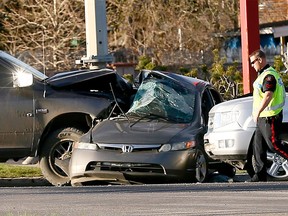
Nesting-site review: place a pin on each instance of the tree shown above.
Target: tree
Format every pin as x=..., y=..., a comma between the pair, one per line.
x=169, y=31
x=228, y=80
x=46, y=34
x=51, y=33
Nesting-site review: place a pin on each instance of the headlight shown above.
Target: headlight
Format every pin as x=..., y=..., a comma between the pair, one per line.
x=221, y=119
x=87, y=146
x=177, y=146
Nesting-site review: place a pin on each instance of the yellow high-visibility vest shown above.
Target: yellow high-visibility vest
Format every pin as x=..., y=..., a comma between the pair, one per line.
x=276, y=104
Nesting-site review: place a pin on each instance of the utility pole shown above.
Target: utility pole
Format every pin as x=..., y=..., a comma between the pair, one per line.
x=96, y=35
x=250, y=40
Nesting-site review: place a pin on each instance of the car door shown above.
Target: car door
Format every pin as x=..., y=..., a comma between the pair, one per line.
x=210, y=97
x=16, y=116
x=215, y=96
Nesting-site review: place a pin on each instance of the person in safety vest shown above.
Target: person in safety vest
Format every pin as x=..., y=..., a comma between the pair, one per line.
x=268, y=102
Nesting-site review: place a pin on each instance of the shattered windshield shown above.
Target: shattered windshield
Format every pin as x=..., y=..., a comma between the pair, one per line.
x=165, y=99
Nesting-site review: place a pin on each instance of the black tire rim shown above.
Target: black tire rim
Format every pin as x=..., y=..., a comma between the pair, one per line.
x=201, y=167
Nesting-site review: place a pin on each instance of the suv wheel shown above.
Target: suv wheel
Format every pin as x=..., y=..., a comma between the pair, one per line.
x=55, y=155
x=277, y=166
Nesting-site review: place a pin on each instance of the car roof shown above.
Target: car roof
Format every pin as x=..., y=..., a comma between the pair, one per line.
x=199, y=84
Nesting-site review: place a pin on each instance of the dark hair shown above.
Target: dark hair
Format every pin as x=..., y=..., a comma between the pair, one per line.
x=258, y=53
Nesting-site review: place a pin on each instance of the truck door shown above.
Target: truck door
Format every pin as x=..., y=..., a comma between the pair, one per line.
x=16, y=114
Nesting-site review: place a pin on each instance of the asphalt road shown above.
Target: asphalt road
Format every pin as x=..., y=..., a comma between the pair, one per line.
x=41, y=181
x=269, y=198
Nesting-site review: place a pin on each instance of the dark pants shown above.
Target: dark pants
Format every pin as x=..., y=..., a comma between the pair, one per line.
x=267, y=136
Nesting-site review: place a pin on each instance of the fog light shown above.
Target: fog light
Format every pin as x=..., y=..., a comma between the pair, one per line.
x=229, y=143
x=221, y=143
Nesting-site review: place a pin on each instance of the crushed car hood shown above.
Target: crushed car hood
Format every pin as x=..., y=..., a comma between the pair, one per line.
x=149, y=132
x=86, y=79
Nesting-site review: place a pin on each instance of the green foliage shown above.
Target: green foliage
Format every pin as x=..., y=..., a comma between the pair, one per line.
x=183, y=70
x=17, y=171
x=278, y=63
x=205, y=71
x=150, y=66
x=192, y=73
x=161, y=68
x=128, y=77
x=227, y=79
x=145, y=62
x=279, y=66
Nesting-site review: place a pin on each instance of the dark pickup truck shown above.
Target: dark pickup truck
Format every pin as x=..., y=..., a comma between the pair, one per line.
x=43, y=116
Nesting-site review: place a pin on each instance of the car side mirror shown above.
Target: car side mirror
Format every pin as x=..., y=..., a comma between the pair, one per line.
x=22, y=79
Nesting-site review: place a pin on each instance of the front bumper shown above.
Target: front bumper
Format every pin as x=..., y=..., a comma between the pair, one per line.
x=228, y=145
x=111, y=166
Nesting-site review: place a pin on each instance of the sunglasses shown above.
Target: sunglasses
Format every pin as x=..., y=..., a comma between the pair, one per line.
x=253, y=62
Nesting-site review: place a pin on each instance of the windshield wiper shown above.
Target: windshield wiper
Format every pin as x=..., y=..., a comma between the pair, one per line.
x=151, y=115
x=116, y=105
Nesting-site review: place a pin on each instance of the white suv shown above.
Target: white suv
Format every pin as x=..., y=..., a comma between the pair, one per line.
x=230, y=135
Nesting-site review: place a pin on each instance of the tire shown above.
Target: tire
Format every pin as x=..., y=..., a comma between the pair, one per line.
x=55, y=155
x=201, y=165
x=226, y=169
x=277, y=167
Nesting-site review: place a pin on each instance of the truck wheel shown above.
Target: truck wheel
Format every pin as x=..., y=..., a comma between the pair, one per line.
x=55, y=155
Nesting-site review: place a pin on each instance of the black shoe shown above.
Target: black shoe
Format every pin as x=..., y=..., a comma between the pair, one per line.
x=257, y=178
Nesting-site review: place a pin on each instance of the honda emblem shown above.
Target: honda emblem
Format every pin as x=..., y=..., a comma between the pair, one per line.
x=127, y=148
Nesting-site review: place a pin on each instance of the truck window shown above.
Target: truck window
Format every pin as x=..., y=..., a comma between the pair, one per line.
x=6, y=77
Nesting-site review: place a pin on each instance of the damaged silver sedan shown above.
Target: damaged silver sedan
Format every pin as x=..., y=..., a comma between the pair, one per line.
x=159, y=138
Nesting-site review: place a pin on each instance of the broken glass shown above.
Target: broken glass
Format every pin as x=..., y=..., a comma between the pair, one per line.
x=164, y=98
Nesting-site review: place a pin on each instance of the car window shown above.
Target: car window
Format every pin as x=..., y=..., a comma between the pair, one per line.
x=217, y=98
x=210, y=98
x=162, y=97
x=206, y=105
